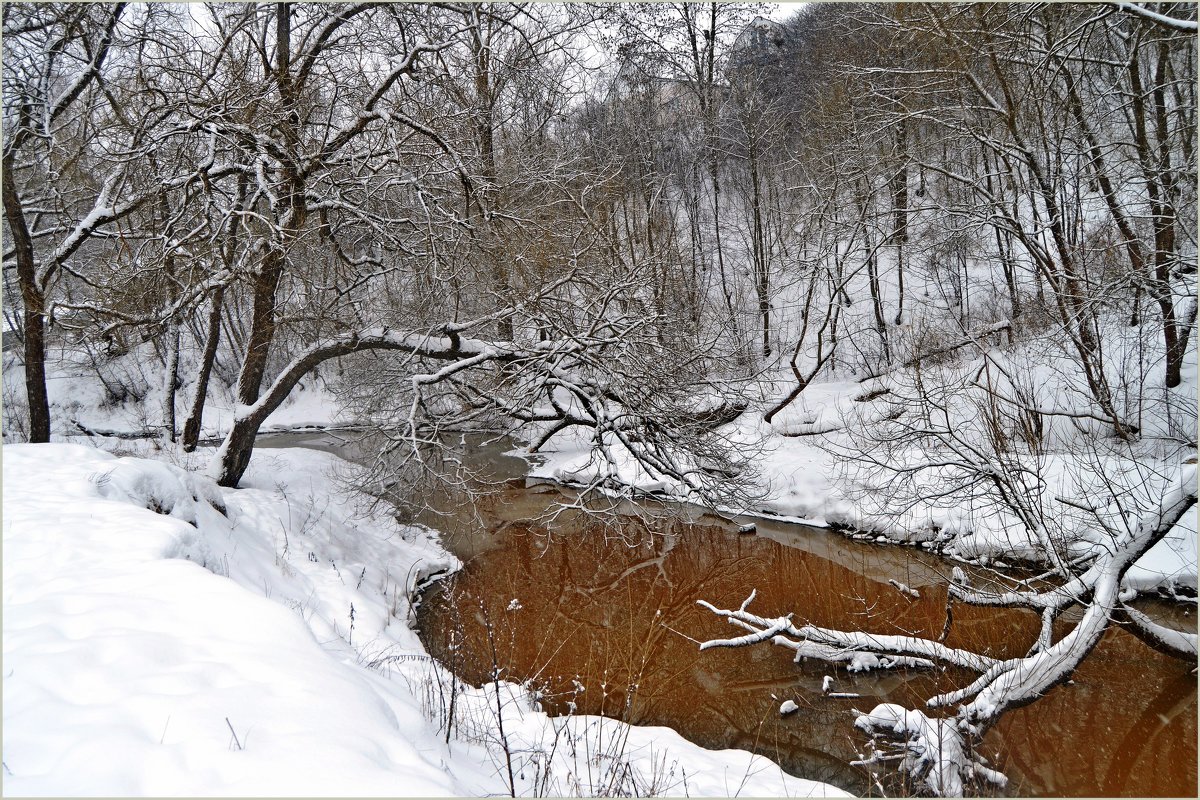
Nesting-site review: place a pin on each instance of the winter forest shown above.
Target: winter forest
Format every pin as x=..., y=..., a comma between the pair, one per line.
x=538, y=399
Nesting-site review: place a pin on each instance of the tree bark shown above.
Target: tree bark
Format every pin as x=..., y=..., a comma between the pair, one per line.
x=262, y=323
x=872, y=260
x=761, y=261
x=900, y=213
x=290, y=216
x=170, y=382
x=191, y=427
x=485, y=131
x=232, y=458
x=33, y=316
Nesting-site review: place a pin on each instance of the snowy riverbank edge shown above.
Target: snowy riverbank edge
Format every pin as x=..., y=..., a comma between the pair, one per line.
x=801, y=482
x=163, y=636
x=798, y=480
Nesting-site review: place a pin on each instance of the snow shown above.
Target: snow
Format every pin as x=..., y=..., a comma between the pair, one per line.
x=798, y=481
x=801, y=481
x=126, y=649
x=933, y=744
x=163, y=636
x=94, y=217
x=1170, y=563
x=799, y=484
x=1164, y=19
x=77, y=395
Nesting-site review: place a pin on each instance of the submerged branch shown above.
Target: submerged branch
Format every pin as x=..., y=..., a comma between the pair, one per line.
x=1180, y=644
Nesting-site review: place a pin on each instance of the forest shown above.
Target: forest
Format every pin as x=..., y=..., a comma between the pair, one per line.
x=918, y=272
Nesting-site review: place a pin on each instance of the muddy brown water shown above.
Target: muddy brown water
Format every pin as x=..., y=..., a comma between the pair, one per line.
x=599, y=614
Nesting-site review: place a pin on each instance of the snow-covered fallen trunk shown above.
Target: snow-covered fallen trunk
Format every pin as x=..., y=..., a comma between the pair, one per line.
x=859, y=649
x=233, y=456
x=938, y=751
x=1181, y=643
x=932, y=751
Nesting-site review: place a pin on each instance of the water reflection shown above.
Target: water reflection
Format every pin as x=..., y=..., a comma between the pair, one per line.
x=602, y=616
x=570, y=607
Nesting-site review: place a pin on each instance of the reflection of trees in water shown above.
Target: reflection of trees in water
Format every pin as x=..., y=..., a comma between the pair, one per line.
x=1148, y=741
x=618, y=615
x=1127, y=725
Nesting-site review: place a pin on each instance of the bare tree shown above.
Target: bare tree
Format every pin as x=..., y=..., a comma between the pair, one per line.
x=52, y=61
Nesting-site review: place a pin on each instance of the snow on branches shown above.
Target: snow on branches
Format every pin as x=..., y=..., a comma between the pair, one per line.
x=938, y=752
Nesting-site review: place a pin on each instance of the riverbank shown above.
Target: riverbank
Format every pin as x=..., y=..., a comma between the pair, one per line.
x=163, y=636
x=804, y=462
x=298, y=538
x=810, y=470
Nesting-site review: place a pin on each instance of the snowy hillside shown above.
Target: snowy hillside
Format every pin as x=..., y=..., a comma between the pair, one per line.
x=165, y=637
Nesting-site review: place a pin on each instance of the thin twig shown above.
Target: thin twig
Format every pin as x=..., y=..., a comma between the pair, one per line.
x=235, y=736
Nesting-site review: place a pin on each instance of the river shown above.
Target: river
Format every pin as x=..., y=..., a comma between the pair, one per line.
x=598, y=612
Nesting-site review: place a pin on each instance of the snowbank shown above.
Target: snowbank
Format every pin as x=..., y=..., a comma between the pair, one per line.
x=123, y=396
x=166, y=637
x=133, y=661
x=799, y=481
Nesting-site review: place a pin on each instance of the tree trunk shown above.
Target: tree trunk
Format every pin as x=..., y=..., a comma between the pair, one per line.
x=170, y=382
x=485, y=133
x=33, y=315
x=900, y=214
x=233, y=456
x=761, y=265
x=191, y=427
x=1003, y=248
x=876, y=299
x=706, y=65
x=715, y=181
x=290, y=216
x=171, y=362
x=262, y=325
x=1165, y=218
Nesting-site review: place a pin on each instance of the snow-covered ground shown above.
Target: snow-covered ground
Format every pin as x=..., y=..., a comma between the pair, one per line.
x=166, y=637
x=123, y=395
x=163, y=636
x=801, y=481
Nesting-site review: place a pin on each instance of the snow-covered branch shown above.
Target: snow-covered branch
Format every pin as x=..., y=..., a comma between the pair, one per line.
x=1186, y=25
x=1178, y=643
x=861, y=650
x=936, y=751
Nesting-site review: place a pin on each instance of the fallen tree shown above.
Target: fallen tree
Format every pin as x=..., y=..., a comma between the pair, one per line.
x=233, y=456
x=938, y=752
x=633, y=406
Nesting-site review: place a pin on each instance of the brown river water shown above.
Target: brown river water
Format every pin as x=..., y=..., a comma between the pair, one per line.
x=599, y=614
